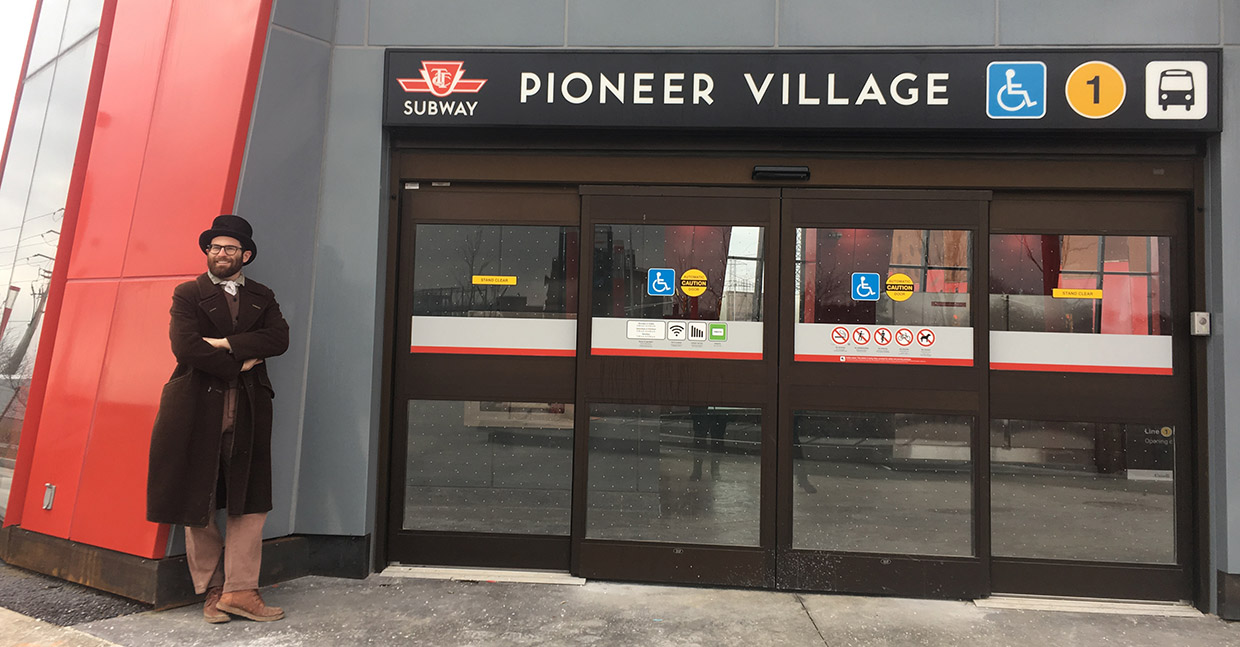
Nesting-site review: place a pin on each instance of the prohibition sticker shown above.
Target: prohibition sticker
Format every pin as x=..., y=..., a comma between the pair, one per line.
x=882, y=336
x=904, y=336
x=840, y=335
x=925, y=337
x=480, y=279
x=693, y=283
x=899, y=287
x=860, y=336
x=1095, y=89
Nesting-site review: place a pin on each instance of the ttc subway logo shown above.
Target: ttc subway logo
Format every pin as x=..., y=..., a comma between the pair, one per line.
x=441, y=79
x=1016, y=90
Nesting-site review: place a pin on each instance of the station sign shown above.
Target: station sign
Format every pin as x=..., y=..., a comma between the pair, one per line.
x=965, y=90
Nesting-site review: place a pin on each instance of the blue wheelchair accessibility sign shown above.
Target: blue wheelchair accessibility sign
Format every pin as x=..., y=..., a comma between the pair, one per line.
x=865, y=286
x=661, y=282
x=1016, y=90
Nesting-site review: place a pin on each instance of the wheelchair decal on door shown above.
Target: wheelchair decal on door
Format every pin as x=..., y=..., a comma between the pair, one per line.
x=1016, y=90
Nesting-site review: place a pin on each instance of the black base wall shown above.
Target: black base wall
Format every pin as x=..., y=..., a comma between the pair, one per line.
x=165, y=582
x=1228, y=596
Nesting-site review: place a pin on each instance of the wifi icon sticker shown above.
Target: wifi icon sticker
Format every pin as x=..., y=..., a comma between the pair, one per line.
x=676, y=331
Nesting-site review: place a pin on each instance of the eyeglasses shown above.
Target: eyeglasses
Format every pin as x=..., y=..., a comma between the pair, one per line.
x=229, y=250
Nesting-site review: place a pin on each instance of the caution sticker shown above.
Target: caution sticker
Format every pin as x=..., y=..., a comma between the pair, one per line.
x=480, y=279
x=1067, y=293
x=693, y=283
x=899, y=287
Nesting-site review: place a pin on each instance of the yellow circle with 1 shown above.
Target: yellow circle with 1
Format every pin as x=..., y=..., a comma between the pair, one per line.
x=693, y=283
x=899, y=287
x=1095, y=89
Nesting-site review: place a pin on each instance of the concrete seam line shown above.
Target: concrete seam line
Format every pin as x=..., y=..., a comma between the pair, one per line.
x=809, y=615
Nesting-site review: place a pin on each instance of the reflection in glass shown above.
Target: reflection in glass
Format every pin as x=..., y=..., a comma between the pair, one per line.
x=1130, y=274
x=502, y=467
x=536, y=269
x=882, y=483
x=731, y=258
x=674, y=474
x=938, y=262
x=1083, y=491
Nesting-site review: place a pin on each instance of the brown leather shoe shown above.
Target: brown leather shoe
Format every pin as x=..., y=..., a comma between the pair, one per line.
x=209, y=612
x=248, y=604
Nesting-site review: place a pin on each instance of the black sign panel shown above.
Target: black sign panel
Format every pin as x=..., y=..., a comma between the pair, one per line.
x=1001, y=90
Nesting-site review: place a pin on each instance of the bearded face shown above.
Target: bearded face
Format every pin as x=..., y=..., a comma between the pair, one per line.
x=222, y=265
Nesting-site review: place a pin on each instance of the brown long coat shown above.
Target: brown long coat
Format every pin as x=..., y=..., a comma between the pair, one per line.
x=185, y=443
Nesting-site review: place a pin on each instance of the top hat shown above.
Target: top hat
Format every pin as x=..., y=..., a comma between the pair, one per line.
x=234, y=227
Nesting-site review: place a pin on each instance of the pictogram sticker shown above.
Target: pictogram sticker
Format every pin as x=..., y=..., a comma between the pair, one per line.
x=840, y=335
x=882, y=336
x=899, y=287
x=904, y=336
x=861, y=336
x=1095, y=89
x=925, y=337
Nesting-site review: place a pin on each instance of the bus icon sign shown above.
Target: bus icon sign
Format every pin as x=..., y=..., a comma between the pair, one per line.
x=1176, y=90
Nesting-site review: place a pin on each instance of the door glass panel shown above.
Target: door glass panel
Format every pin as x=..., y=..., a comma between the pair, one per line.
x=494, y=289
x=674, y=474
x=652, y=284
x=896, y=483
x=890, y=296
x=1083, y=491
x=1096, y=304
x=503, y=467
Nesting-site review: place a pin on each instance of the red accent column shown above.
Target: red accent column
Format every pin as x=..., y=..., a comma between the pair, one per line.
x=167, y=139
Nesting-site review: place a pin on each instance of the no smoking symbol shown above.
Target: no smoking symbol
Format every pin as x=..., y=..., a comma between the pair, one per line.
x=904, y=336
x=861, y=336
x=925, y=337
x=839, y=336
x=882, y=336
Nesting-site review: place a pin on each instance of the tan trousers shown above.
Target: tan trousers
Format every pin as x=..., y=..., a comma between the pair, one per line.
x=232, y=561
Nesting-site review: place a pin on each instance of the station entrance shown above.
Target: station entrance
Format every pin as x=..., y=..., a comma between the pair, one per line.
x=926, y=392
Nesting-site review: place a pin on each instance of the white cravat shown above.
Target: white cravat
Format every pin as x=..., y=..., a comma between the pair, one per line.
x=230, y=287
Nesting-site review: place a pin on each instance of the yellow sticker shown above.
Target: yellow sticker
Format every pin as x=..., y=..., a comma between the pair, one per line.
x=693, y=283
x=1095, y=89
x=1167, y=432
x=1060, y=293
x=899, y=287
x=480, y=279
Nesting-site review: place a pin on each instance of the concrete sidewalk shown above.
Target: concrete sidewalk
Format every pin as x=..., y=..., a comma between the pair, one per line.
x=399, y=611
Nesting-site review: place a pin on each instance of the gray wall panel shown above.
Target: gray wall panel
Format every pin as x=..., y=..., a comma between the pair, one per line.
x=279, y=195
x=1108, y=22
x=890, y=23
x=1231, y=22
x=671, y=23
x=341, y=427
x=1225, y=448
x=351, y=22
x=311, y=17
x=464, y=23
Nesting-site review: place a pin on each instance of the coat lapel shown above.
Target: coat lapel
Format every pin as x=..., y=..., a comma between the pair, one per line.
x=211, y=301
x=250, y=307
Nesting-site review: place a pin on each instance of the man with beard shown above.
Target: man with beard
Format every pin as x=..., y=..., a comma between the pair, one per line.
x=211, y=445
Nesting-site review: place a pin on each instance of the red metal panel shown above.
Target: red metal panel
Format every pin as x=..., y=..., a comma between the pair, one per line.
x=111, y=504
x=60, y=272
x=72, y=385
x=124, y=120
x=200, y=106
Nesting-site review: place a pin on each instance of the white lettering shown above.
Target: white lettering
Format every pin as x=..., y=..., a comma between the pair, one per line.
x=579, y=98
x=641, y=91
x=530, y=84
x=408, y=107
x=785, y=95
x=703, y=84
x=934, y=89
x=550, y=87
x=606, y=87
x=753, y=89
x=908, y=99
x=833, y=100
x=472, y=105
x=801, y=98
x=871, y=93
x=670, y=88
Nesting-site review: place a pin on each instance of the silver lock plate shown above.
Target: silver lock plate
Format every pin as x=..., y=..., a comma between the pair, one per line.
x=1201, y=324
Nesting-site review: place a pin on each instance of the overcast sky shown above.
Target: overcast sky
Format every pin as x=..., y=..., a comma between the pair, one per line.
x=14, y=31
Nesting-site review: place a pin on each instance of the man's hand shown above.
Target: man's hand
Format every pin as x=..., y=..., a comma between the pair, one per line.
x=219, y=342
x=250, y=363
